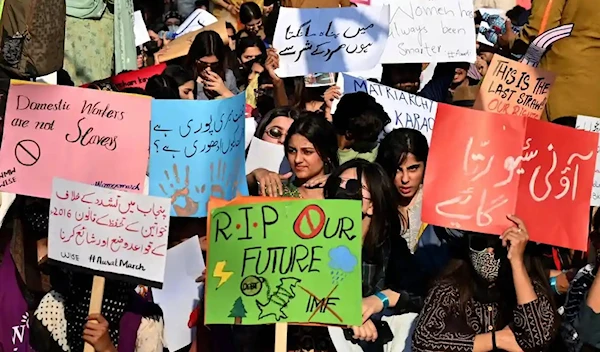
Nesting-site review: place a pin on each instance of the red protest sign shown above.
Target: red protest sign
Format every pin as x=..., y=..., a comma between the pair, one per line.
x=135, y=79
x=483, y=166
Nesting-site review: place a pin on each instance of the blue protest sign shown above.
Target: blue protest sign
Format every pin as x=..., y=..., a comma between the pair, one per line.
x=197, y=151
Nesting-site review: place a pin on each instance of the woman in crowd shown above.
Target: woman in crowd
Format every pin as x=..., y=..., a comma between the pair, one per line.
x=250, y=51
x=252, y=18
x=273, y=128
x=184, y=79
x=207, y=59
x=311, y=149
x=494, y=295
x=403, y=155
x=162, y=87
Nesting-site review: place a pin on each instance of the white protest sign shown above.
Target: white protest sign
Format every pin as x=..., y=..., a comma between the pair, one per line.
x=405, y=109
x=330, y=40
x=430, y=31
x=109, y=231
x=180, y=292
x=139, y=29
x=592, y=124
x=195, y=21
x=265, y=155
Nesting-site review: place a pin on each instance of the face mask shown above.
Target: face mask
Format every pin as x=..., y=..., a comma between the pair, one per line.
x=173, y=28
x=485, y=264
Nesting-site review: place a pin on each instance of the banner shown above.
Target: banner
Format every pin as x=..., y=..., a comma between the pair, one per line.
x=330, y=40
x=197, y=151
x=295, y=261
x=430, y=31
x=514, y=88
x=108, y=231
x=405, y=110
x=592, y=124
x=84, y=135
x=135, y=79
x=483, y=166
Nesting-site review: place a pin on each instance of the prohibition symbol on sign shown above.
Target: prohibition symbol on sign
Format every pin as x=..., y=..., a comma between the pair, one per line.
x=27, y=152
x=305, y=217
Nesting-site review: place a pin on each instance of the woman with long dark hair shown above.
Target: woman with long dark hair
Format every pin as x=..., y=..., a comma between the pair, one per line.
x=207, y=59
x=273, y=128
x=252, y=18
x=184, y=78
x=250, y=51
x=494, y=295
x=311, y=149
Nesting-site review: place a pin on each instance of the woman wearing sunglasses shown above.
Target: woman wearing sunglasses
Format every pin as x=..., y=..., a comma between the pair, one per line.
x=494, y=296
x=207, y=59
x=273, y=128
x=387, y=266
x=311, y=149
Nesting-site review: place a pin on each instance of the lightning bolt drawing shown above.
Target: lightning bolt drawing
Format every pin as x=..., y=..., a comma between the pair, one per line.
x=220, y=273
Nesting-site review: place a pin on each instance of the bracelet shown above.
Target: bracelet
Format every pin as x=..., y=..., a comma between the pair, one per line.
x=553, y=285
x=384, y=299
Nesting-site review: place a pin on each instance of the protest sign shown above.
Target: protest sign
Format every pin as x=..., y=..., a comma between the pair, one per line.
x=180, y=46
x=137, y=78
x=483, y=166
x=108, y=231
x=139, y=29
x=296, y=261
x=180, y=292
x=196, y=20
x=199, y=154
x=267, y=156
x=592, y=124
x=85, y=135
x=405, y=109
x=430, y=31
x=330, y=40
x=514, y=88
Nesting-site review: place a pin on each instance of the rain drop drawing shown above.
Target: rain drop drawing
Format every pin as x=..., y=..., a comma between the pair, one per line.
x=341, y=262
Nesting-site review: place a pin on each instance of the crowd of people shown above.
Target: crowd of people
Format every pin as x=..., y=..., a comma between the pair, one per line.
x=471, y=291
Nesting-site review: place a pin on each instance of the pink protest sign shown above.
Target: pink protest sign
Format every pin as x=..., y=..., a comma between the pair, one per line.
x=85, y=135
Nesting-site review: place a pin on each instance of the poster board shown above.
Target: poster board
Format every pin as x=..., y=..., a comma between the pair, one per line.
x=592, y=124
x=404, y=109
x=109, y=232
x=320, y=283
x=483, y=166
x=424, y=31
x=180, y=46
x=199, y=154
x=330, y=40
x=84, y=135
x=514, y=88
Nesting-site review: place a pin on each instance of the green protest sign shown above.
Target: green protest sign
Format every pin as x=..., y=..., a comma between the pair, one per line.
x=292, y=261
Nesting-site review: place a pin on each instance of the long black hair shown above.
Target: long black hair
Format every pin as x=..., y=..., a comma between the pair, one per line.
x=396, y=145
x=320, y=133
x=385, y=221
x=249, y=11
x=179, y=74
x=207, y=43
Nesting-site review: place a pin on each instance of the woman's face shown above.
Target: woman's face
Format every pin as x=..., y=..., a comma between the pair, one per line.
x=303, y=157
x=268, y=9
x=460, y=75
x=231, y=34
x=186, y=90
x=277, y=129
x=255, y=70
x=203, y=63
x=250, y=54
x=486, y=56
x=254, y=26
x=409, y=176
x=367, y=204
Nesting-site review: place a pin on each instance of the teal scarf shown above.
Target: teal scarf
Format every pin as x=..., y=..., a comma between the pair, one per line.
x=125, y=53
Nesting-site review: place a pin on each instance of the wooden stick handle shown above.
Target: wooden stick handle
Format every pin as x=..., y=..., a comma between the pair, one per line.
x=95, y=303
x=281, y=330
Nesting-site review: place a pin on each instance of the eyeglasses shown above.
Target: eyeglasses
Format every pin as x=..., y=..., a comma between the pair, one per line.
x=201, y=65
x=480, y=242
x=275, y=132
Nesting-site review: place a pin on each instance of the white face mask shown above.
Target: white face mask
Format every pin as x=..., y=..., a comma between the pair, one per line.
x=173, y=28
x=485, y=264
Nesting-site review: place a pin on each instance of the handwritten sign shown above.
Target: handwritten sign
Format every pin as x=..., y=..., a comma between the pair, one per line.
x=592, y=124
x=514, y=88
x=199, y=154
x=85, y=135
x=109, y=231
x=405, y=110
x=195, y=21
x=502, y=164
x=330, y=40
x=430, y=31
x=293, y=261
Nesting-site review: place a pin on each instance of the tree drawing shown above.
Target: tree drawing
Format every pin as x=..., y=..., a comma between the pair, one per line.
x=238, y=311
